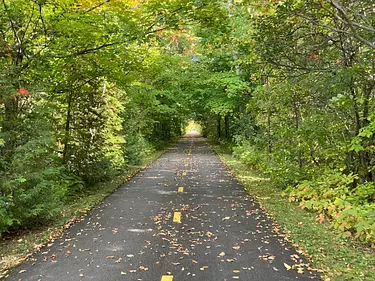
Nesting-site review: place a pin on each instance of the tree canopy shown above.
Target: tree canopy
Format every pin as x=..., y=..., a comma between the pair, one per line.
x=88, y=87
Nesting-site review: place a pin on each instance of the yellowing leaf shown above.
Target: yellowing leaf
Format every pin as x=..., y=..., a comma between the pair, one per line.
x=287, y=266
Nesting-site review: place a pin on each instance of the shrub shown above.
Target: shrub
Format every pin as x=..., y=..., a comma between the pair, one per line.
x=351, y=209
x=33, y=188
x=249, y=154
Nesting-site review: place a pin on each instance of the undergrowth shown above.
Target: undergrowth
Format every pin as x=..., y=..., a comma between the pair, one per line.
x=17, y=246
x=336, y=256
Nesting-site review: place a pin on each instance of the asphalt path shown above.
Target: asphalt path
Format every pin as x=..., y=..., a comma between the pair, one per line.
x=183, y=218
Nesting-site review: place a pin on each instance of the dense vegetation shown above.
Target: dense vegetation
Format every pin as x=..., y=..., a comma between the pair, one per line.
x=88, y=87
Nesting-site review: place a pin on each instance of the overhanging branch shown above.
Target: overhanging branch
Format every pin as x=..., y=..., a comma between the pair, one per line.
x=352, y=25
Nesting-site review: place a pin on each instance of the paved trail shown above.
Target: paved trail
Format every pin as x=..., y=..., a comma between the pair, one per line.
x=183, y=218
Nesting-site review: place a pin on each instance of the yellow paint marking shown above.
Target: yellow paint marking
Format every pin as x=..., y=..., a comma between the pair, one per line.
x=167, y=278
x=187, y=164
x=180, y=189
x=177, y=217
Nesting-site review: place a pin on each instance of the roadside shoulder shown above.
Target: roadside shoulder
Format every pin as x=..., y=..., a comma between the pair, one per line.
x=335, y=257
x=14, y=250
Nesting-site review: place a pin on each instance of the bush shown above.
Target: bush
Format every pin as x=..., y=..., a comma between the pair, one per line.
x=136, y=149
x=335, y=195
x=249, y=154
x=33, y=188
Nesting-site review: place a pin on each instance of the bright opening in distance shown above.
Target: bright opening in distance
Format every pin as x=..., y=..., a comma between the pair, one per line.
x=193, y=128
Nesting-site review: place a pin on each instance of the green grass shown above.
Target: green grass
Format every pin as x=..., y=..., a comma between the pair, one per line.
x=336, y=258
x=16, y=249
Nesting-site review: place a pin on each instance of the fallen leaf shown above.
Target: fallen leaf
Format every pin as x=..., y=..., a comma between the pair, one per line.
x=143, y=268
x=204, y=267
x=287, y=266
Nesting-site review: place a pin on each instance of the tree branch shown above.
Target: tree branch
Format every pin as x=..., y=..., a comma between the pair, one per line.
x=97, y=6
x=323, y=25
x=11, y=22
x=106, y=45
x=43, y=23
x=90, y=50
x=352, y=25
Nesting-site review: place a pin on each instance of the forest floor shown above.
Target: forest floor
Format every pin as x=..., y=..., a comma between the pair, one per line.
x=183, y=218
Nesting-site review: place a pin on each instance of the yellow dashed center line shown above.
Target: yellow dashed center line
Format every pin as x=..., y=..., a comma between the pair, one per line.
x=177, y=217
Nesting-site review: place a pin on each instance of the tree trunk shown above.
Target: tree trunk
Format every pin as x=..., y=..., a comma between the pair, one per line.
x=227, y=129
x=218, y=128
x=10, y=116
x=67, y=127
x=297, y=124
x=269, y=143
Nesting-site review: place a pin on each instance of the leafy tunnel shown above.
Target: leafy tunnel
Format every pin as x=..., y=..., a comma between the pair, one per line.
x=89, y=88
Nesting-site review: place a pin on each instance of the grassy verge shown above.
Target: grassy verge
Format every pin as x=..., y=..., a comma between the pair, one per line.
x=16, y=249
x=337, y=258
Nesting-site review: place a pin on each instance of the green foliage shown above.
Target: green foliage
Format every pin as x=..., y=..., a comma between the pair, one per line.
x=350, y=209
x=335, y=256
x=87, y=90
x=302, y=102
x=33, y=188
x=84, y=93
x=249, y=154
